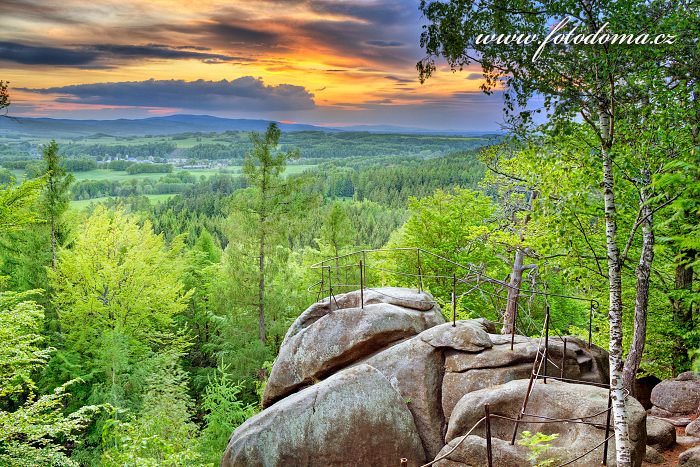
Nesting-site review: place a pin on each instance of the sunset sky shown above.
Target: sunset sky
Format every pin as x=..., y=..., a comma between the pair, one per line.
x=309, y=61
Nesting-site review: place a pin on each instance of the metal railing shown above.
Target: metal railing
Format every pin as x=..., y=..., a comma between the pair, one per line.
x=349, y=272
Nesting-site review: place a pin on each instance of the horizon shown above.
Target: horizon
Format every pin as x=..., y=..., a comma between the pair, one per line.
x=328, y=126
x=315, y=62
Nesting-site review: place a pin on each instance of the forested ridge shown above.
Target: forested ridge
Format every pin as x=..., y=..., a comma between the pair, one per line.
x=142, y=333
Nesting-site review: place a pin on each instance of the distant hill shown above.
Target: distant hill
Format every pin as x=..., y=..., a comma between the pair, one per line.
x=172, y=124
x=175, y=124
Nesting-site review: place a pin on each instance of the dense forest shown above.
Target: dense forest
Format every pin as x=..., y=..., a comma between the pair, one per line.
x=141, y=333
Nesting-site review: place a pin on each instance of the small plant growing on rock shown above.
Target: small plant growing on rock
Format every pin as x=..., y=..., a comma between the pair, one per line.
x=538, y=444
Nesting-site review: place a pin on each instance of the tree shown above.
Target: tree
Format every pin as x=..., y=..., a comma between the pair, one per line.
x=56, y=199
x=595, y=83
x=116, y=291
x=337, y=230
x=269, y=198
x=4, y=96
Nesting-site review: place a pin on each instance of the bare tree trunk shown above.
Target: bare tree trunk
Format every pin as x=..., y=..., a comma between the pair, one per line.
x=622, y=440
x=516, y=278
x=646, y=258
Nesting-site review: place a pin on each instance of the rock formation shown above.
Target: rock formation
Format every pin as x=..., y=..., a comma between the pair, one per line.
x=677, y=399
x=369, y=386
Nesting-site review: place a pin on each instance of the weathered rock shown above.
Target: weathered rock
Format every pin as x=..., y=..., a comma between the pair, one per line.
x=456, y=385
x=686, y=440
x=555, y=400
x=467, y=336
x=652, y=456
x=680, y=396
x=670, y=417
x=467, y=372
x=324, y=339
x=471, y=452
x=415, y=370
x=690, y=458
x=354, y=417
x=660, y=433
x=693, y=428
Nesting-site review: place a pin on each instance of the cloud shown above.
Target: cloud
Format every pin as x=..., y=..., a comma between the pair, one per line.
x=474, y=76
x=246, y=94
x=378, y=43
x=33, y=55
x=100, y=55
x=398, y=80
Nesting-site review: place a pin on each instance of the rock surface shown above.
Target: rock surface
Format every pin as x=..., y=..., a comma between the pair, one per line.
x=415, y=370
x=355, y=417
x=652, y=456
x=679, y=396
x=690, y=458
x=555, y=400
x=471, y=452
x=693, y=428
x=325, y=339
x=660, y=433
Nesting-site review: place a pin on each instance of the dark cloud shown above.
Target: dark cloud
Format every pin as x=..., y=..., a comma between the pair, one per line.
x=94, y=56
x=33, y=55
x=378, y=43
x=246, y=94
x=398, y=80
x=158, y=51
x=226, y=31
x=475, y=76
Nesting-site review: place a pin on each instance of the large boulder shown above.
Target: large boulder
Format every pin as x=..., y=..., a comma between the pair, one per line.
x=690, y=457
x=660, y=433
x=693, y=428
x=330, y=336
x=679, y=396
x=354, y=417
x=554, y=400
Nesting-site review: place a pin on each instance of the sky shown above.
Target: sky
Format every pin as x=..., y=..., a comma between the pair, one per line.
x=324, y=62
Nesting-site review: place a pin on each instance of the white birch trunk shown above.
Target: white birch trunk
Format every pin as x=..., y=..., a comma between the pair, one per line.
x=622, y=441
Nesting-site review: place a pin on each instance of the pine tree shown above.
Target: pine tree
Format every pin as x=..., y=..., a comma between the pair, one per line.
x=56, y=199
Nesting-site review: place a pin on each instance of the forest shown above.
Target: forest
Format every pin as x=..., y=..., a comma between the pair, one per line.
x=140, y=333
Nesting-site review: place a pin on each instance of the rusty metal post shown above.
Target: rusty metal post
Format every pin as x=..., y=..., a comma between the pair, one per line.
x=454, y=300
x=420, y=277
x=489, y=455
x=563, y=360
x=533, y=375
x=512, y=330
x=362, y=287
x=364, y=265
x=404, y=462
x=323, y=277
x=330, y=288
x=590, y=324
x=546, y=344
x=607, y=431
